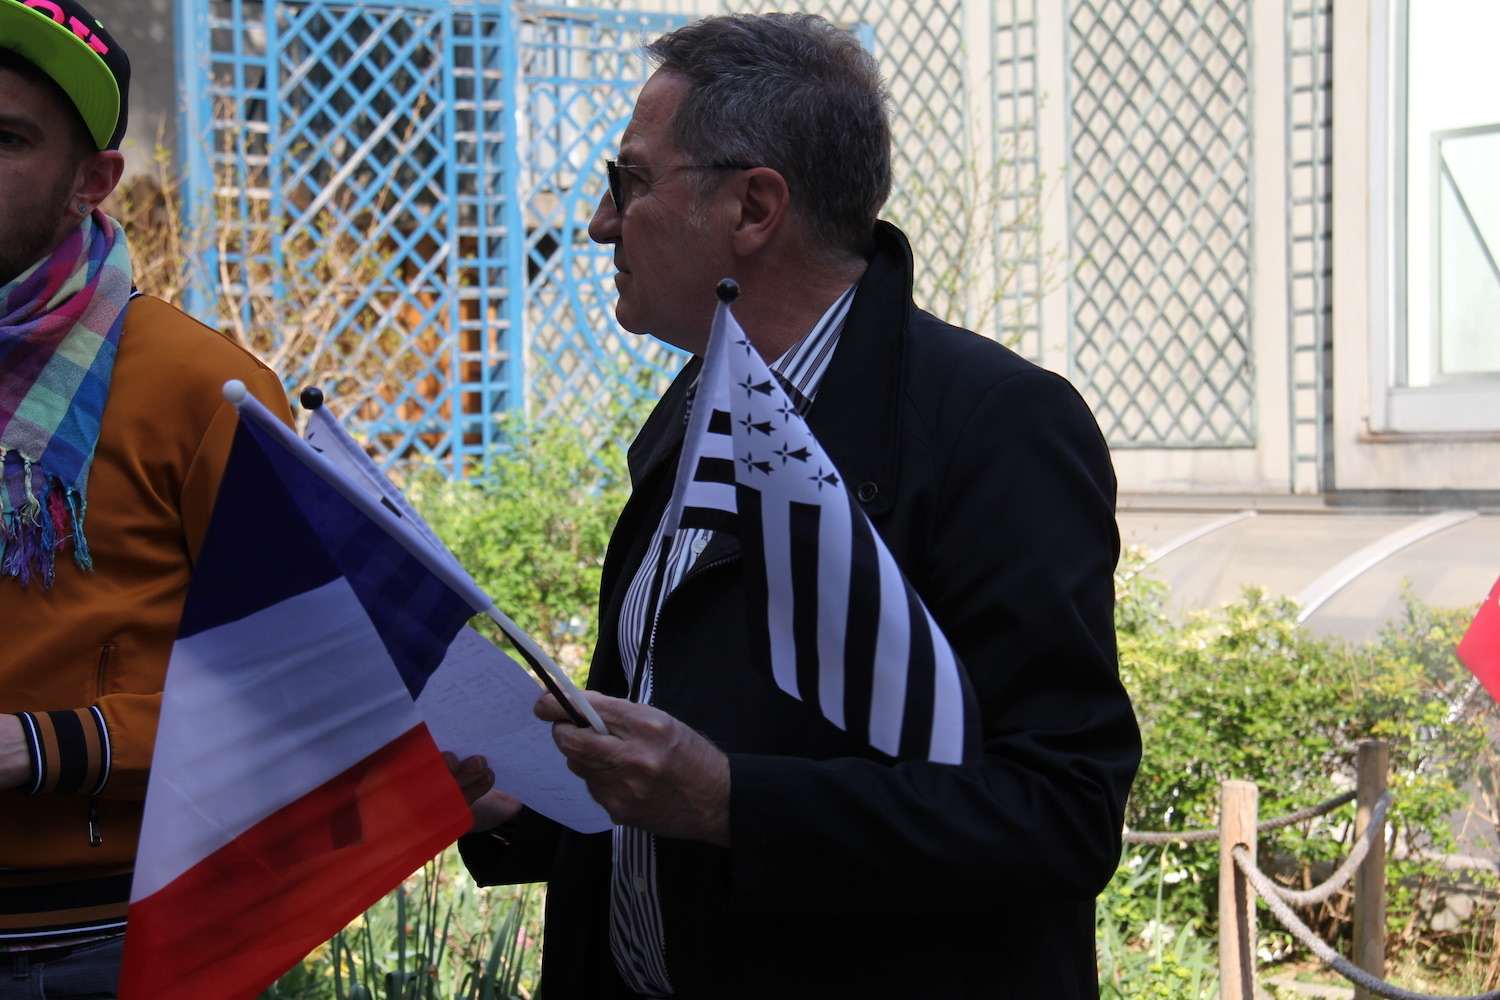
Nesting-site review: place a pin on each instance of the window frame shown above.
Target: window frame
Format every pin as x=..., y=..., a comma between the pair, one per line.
x=1457, y=407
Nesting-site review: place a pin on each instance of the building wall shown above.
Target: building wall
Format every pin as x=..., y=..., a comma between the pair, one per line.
x=1347, y=431
x=1208, y=121
x=1280, y=447
x=145, y=29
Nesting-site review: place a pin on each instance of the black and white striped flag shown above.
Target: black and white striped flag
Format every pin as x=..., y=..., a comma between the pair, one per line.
x=830, y=612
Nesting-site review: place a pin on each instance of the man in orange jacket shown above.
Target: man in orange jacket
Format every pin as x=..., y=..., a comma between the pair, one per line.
x=113, y=436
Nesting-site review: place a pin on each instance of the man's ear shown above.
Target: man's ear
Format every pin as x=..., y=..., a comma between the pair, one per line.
x=764, y=204
x=98, y=174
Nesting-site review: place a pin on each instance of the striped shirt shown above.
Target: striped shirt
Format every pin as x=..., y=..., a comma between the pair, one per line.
x=635, y=925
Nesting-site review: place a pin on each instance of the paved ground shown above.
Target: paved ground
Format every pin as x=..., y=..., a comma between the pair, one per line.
x=1290, y=984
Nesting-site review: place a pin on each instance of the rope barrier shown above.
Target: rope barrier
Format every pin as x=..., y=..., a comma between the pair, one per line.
x=1154, y=837
x=1271, y=893
x=1322, y=893
x=1157, y=838
x=1280, y=899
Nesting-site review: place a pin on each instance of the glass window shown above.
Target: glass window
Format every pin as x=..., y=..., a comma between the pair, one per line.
x=1451, y=195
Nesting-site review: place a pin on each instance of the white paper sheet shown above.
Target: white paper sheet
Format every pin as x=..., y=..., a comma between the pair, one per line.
x=479, y=702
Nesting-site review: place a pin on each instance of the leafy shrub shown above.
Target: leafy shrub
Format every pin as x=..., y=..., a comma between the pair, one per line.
x=1140, y=952
x=532, y=530
x=1244, y=692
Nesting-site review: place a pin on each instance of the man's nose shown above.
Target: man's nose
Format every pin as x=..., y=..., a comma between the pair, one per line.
x=604, y=227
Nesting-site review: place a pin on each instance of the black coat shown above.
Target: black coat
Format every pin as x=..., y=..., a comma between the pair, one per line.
x=851, y=874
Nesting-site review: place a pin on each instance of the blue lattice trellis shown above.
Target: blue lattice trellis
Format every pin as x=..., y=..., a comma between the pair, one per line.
x=352, y=168
x=370, y=224
x=403, y=189
x=581, y=69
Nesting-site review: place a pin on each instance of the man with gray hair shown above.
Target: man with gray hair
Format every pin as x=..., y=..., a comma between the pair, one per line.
x=761, y=851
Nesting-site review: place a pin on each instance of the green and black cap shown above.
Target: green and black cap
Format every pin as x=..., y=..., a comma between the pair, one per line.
x=72, y=47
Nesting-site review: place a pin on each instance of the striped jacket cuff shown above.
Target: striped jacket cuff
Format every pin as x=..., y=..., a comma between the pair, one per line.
x=69, y=751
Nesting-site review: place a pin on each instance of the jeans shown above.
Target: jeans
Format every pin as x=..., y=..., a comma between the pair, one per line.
x=88, y=972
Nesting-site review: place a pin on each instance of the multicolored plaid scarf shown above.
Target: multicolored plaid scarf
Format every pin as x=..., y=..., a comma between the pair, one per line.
x=60, y=322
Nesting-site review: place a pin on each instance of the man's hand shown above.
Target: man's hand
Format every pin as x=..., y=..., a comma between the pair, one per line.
x=475, y=779
x=651, y=771
x=15, y=761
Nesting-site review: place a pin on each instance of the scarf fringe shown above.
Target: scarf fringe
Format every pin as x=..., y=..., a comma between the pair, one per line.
x=65, y=313
x=31, y=537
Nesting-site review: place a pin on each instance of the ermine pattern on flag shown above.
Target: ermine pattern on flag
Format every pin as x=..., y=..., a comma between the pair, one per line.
x=841, y=627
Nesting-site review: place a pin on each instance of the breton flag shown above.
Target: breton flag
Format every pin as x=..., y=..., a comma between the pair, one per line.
x=1479, y=650
x=830, y=612
x=293, y=783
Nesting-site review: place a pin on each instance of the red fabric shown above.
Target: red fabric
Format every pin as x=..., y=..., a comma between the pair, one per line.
x=229, y=926
x=1480, y=648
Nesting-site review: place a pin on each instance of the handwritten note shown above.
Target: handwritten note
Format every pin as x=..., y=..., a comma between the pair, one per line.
x=479, y=702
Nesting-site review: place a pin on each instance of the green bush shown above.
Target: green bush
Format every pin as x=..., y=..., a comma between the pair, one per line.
x=1239, y=692
x=1244, y=692
x=532, y=530
x=1141, y=953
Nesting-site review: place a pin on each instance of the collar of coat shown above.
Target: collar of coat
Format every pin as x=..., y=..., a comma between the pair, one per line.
x=856, y=416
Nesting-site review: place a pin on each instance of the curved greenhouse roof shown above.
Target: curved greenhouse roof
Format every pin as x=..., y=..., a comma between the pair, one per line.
x=1347, y=566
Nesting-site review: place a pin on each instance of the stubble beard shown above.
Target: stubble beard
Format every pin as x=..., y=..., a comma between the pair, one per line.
x=35, y=237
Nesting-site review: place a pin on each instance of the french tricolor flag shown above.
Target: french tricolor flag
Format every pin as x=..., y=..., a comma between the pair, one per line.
x=293, y=783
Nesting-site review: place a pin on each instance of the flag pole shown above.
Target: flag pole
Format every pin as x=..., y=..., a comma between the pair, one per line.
x=727, y=291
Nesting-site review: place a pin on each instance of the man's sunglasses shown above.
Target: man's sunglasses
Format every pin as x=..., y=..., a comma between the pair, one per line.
x=617, y=188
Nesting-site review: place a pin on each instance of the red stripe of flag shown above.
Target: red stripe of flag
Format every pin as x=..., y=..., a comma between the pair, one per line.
x=1480, y=648
x=229, y=926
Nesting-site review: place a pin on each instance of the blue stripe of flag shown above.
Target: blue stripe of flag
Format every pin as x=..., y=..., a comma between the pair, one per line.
x=278, y=530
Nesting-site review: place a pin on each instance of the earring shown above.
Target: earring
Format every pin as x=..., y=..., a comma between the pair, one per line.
x=83, y=208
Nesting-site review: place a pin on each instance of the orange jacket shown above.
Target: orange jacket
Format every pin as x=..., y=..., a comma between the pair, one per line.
x=100, y=640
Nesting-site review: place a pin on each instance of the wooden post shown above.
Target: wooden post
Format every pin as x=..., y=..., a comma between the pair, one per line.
x=1369, y=881
x=1236, y=897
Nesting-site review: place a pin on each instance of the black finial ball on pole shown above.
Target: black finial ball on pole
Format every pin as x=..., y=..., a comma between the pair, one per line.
x=311, y=398
x=728, y=290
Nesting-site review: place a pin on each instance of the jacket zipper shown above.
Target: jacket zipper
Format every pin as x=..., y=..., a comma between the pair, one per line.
x=106, y=651
x=661, y=607
x=96, y=832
